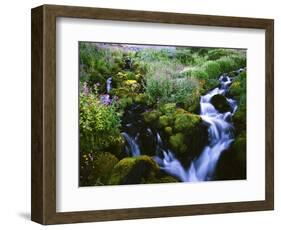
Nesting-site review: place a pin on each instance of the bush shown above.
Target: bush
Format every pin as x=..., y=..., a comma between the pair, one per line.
x=214, y=54
x=212, y=68
x=168, y=90
x=99, y=124
x=198, y=73
x=185, y=56
x=226, y=64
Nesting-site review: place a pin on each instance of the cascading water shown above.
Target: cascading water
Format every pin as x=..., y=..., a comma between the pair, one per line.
x=133, y=148
x=220, y=137
x=202, y=168
x=108, y=84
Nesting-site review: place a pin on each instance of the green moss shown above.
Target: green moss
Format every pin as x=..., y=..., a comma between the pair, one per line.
x=117, y=147
x=132, y=85
x=238, y=87
x=151, y=116
x=186, y=122
x=134, y=170
x=96, y=168
x=239, y=119
x=220, y=103
x=168, y=108
x=164, y=121
x=177, y=142
x=125, y=102
x=168, y=130
x=235, y=89
x=120, y=92
x=240, y=146
x=141, y=98
x=232, y=164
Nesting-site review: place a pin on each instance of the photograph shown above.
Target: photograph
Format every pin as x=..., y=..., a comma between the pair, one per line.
x=161, y=114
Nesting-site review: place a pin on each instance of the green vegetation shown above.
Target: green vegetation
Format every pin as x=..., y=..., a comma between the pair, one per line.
x=99, y=124
x=164, y=85
x=95, y=168
x=138, y=170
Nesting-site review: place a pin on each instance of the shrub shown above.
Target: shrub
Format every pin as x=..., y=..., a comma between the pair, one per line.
x=226, y=64
x=99, y=124
x=214, y=54
x=185, y=56
x=212, y=68
x=199, y=73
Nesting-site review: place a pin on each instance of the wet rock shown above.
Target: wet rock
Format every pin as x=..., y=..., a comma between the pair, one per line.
x=134, y=170
x=232, y=164
x=220, y=103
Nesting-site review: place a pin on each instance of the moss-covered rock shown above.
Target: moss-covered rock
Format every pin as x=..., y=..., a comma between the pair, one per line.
x=232, y=164
x=117, y=147
x=125, y=102
x=177, y=143
x=120, y=92
x=235, y=89
x=96, y=168
x=141, y=98
x=220, y=103
x=151, y=116
x=239, y=119
x=168, y=108
x=134, y=170
x=186, y=122
x=185, y=133
x=139, y=170
x=164, y=121
x=238, y=87
x=168, y=130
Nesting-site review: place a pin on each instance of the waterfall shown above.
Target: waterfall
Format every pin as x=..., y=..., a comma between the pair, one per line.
x=220, y=133
x=220, y=137
x=108, y=84
x=134, y=149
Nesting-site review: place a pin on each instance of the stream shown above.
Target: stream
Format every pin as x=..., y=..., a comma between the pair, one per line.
x=142, y=139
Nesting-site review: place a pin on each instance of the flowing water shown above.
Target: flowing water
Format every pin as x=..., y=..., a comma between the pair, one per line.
x=108, y=84
x=202, y=168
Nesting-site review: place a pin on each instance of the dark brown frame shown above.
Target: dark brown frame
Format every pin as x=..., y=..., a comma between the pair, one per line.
x=43, y=189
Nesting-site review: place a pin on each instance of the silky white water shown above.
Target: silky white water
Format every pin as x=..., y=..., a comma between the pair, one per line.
x=220, y=131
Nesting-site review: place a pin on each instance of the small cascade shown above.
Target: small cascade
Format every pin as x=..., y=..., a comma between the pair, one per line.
x=220, y=137
x=108, y=84
x=202, y=168
x=133, y=147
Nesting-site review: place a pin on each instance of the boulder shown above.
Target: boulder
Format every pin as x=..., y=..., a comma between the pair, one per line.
x=232, y=163
x=151, y=116
x=220, y=103
x=95, y=168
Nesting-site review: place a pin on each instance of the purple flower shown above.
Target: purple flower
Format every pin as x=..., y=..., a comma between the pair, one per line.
x=105, y=99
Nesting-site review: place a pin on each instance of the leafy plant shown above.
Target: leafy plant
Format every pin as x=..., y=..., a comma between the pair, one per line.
x=99, y=124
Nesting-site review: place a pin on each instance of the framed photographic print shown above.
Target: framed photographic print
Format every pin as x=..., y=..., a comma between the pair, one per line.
x=141, y=114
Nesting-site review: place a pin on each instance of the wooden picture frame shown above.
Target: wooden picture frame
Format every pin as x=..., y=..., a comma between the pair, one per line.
x=43, y=208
